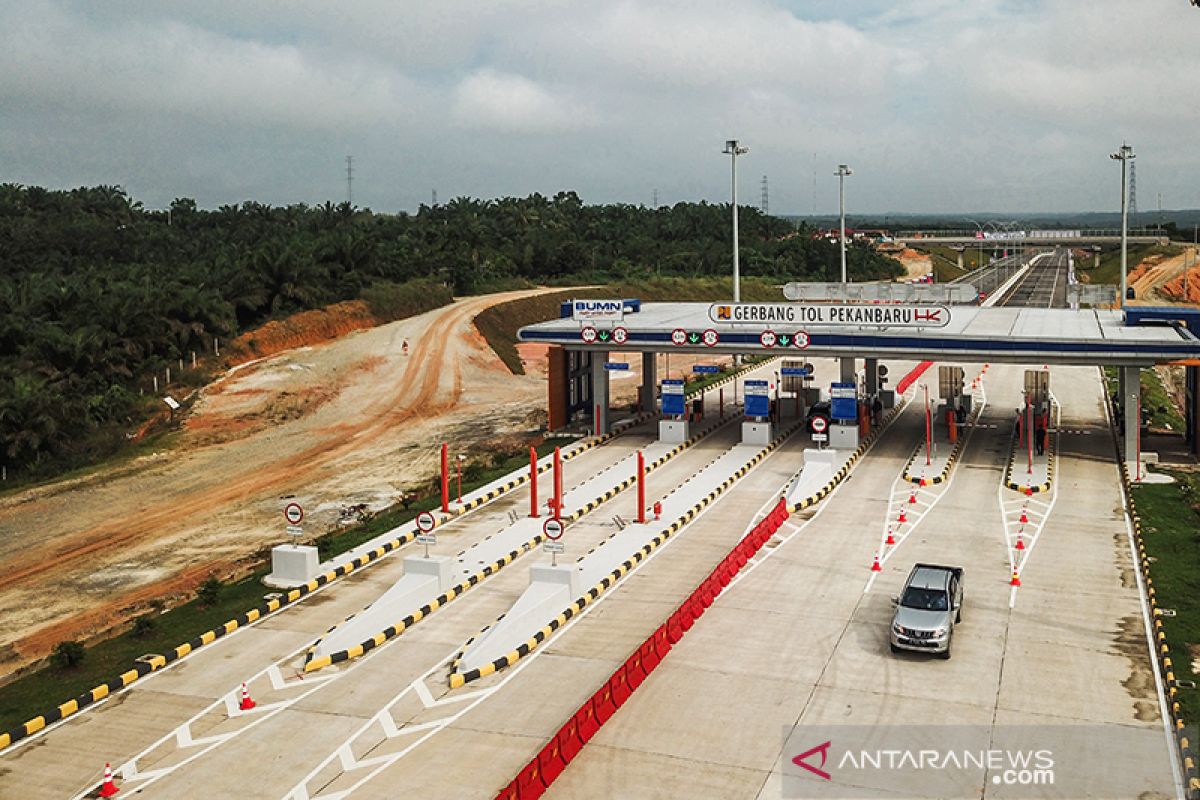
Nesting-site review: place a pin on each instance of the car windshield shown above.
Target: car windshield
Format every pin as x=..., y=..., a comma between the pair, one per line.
x=924, y=599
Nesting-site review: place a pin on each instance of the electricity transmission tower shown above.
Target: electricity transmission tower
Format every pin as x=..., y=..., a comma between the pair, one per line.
x=350, y=181
x=765, y=205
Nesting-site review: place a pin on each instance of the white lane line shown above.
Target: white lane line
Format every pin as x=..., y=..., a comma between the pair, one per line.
x=377, y=764
x=938, y=493
x=1175, y=757
x=1035, y=522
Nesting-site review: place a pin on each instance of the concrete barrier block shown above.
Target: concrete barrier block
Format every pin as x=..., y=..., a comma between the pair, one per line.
x=292, y=565
x=759, y=433
x=440, y=567
x=673, y=431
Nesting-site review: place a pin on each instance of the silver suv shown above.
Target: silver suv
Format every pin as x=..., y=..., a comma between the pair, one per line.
x=927, y=610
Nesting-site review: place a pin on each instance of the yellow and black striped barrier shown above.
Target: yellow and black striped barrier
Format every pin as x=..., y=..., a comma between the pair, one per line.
x=1162, y=653
x=1051, y=456
x=458, y=679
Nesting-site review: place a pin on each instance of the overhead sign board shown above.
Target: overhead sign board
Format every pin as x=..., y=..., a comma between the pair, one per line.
x=882, y=316
x=706, y=369
x=804, y=371
x=597, y=310
x=616, y=366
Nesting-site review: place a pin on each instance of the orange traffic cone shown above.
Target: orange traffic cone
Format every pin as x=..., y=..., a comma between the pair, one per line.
x=890, y=539
x=1028, y=490
x=1020, y=541
x=912, y=498
x=247, y=703
x=109, y=788
x=1016, y=579
x=875, y=567
x=903, y=518
x=1024, y=517
x=924, y=482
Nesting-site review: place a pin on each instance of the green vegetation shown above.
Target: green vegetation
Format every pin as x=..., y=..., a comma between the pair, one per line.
x=945, y=261
x=79, y=668
x=1109, y=270
x=1170, y=516
x=98, y=295
x=1158, y=407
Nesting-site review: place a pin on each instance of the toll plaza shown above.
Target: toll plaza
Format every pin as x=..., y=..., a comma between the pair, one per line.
x=858, y=333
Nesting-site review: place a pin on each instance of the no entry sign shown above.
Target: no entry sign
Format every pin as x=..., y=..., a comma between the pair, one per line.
x=425, y=522
x=553, y=529
x=819, y=424
x=293, y=513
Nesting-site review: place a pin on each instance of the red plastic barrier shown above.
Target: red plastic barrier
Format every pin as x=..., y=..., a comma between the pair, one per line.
x=603, y=704
x=620, y=688
x=650, y=656
x=662, y=641
x=551, y=762
x=635, y=673
x=586, y=722
x=510, y=792
x=569, y=740
x=529, y=781
x=674, y=629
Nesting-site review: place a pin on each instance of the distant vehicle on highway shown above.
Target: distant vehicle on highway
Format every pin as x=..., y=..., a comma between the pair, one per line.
x=927, y=610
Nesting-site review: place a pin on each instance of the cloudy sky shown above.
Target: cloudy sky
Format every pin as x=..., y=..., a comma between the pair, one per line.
x=937, y=105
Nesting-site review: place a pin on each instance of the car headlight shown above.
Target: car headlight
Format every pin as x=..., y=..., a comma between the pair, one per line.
x=898, y=628
x=939, y=632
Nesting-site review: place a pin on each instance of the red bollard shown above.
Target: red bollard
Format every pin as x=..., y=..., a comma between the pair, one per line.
x=557, y=484
x=641, y=492
x=445, y=478
x=533, y=509
x=657, y=509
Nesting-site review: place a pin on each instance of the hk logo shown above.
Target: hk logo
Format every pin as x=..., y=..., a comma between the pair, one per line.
x=724, y=312
x=823, y=749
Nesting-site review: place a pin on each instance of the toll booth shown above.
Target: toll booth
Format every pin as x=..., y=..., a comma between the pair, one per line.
x=568, y=386
x=955, y=405
x=673, y=427
x=844, y=414
x=757, y=428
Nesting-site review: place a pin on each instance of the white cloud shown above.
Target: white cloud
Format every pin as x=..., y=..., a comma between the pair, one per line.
x=515, y=104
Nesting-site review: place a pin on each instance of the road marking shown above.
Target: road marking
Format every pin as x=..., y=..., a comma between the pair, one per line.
x=432, y=727
x=936, y=490
x=1011, y=508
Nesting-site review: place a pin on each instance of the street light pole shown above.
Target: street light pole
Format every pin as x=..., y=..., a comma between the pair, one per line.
x=733, y=150
x=842, y=172
x=1124, y=155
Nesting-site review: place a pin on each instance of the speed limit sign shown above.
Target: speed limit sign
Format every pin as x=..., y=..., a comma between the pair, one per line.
x=800, y=339
x=620, y=335
x=588, y=334
x=711, y=338
x=553, y=528
x=767, y=338
x=678, y=336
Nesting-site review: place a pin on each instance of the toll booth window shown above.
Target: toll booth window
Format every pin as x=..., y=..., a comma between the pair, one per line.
x=574, y=393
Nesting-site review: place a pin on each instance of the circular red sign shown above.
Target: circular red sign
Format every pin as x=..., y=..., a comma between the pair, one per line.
x=800, y=339
x=819, y=424
x=588, y=334
x=678, y=336
x=293, y=513
x=553, y=528
x=425, y=522
x=620, y=335
x=711, y=338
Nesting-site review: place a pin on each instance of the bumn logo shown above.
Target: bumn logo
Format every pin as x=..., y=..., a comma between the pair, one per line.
x=823, y=749
x=724, y=312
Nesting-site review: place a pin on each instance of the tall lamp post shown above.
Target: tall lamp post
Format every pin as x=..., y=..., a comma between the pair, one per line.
x=842, y=172
x=733, y=150
x=1124, y=155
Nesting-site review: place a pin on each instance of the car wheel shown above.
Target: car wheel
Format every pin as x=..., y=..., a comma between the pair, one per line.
x=893, y=648
x=945, y=654
x=958, y=617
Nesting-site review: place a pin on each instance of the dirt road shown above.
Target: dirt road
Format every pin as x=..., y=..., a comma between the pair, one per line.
x=351, y=421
